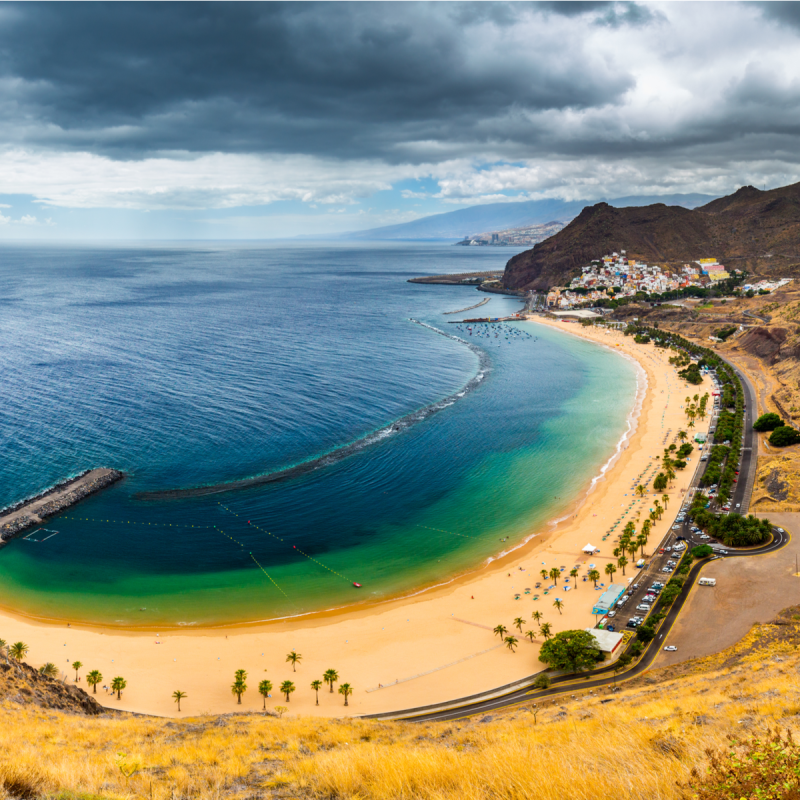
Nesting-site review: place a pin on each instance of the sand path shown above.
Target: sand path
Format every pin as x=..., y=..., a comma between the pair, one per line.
x=429, y=648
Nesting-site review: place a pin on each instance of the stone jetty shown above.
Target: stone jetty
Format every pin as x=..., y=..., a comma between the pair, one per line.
x=33, y=511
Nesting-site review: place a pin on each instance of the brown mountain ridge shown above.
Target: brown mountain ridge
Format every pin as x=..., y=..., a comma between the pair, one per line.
x=750, y=229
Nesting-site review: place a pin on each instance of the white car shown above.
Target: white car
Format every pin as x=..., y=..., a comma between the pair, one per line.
x=612, y=614
x=670, y=648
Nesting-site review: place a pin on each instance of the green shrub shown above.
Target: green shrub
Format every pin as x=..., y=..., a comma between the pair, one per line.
x=784, y=436
x=767, y=422
x=702, y=551
x=542, y=681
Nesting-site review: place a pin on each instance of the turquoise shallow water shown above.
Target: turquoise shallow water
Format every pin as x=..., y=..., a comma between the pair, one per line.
x=193, y=365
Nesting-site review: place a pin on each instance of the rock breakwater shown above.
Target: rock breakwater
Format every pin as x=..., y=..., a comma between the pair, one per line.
x=33, y=510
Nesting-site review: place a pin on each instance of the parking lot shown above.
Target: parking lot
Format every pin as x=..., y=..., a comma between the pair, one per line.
x=647, y=583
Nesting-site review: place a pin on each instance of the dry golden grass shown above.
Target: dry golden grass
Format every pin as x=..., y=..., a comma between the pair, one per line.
x=644, y=743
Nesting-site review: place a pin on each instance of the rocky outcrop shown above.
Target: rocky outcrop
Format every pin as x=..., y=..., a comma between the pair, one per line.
x=21, y=683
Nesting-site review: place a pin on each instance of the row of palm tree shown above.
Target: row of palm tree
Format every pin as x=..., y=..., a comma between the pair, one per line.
x=19, y=650
x=545, y=628
x=239, y=686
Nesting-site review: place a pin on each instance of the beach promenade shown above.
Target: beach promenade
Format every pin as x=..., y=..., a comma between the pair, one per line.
x=430, y=647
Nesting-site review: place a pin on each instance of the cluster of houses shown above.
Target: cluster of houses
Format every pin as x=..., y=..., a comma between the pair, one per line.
x=619, y=276
x=765, y=286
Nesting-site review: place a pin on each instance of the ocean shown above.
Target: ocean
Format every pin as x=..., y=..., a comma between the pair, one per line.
x=205, y=364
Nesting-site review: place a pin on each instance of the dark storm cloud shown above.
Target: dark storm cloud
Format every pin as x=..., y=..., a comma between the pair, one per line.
x=784, y=13
x=343, y=80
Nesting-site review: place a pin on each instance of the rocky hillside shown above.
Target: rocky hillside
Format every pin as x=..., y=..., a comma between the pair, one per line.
x=22, y=684
x=754, y=230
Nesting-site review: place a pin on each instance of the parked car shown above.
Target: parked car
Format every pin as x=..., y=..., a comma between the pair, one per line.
x=643, y=607
x=612, y=613
x=670, y=648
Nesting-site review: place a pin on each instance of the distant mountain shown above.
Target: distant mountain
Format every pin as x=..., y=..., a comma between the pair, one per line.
x=502, y=216
x=750, y=229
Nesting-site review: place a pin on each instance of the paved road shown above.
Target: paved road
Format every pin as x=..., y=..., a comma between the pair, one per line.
x=741, y=494
x=605, y=676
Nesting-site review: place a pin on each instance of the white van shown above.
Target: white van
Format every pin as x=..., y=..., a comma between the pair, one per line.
x=707, y=582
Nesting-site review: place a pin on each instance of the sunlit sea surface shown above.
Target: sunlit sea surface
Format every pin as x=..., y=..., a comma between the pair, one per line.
x=190, y=365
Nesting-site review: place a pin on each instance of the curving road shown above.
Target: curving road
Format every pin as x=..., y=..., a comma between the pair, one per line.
x=523, y=691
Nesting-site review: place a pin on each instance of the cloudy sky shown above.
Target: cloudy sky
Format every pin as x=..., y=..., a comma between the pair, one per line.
x=250, y=121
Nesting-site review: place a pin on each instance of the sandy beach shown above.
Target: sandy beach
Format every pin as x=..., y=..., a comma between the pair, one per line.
x=431, y=647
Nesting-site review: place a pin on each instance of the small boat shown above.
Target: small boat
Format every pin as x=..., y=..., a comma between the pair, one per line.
x=357, y=585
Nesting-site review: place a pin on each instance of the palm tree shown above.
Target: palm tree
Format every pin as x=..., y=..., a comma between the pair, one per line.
x=640, y=490
x=610, y=570
x=264, y=688
x=240, y=674
x=594, y=576
x=518, y=623
x=573, y=573
x=670, y=474
x=537, y=617
x=617, y=552
x=117, y=685
x=49, y=669
x=346, y=689
x=239, y=687
x=331, y=676
x=76, y=665
x=641, y=541
x=287, y=687
x=622, y=563
x=293, y=658
x=665, y=500
x=543, y=573
x=559, y=604
x=18, y=651
x=500, y=630
x=315, y=685
x=555, y=574
x=177, y=697
x=682, y=436
x=93, y=678
x=511, y=643
x=546, y=630
x=531, y=635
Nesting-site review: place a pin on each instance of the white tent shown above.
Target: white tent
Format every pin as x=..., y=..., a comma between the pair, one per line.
x=590, y=548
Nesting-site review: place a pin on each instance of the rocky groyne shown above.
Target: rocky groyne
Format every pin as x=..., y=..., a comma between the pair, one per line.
x=34, y=510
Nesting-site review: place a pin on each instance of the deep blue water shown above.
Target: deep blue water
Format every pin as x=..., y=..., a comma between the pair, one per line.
x=186, y=365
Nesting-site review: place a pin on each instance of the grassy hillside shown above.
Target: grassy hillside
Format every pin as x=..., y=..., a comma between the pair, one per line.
x=652, y=740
